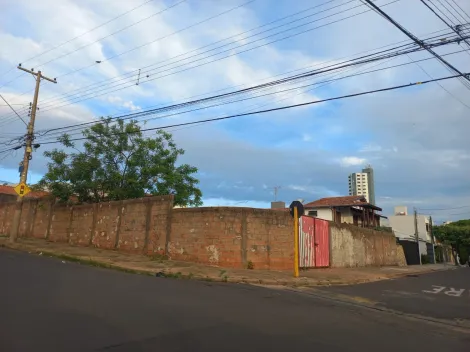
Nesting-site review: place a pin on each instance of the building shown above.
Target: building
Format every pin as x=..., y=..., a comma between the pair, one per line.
x=354, y=210
x=403, y=225
x=362, y=184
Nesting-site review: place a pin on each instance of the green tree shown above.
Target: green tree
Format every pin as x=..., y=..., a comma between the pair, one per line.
x=457, y=235
x=117, y=162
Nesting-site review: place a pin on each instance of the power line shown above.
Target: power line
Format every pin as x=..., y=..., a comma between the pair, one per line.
x=465, y=206
x=443, y=13
x=125, y=76
x=450, y=12
x=150, y=72
x=11, y=107
x=85, y=99
x=417, y=41
x=279, y=108
x=461, y=9
x=336, y=66
x=447, y=24
x=440, y=85
x=316, y=84
x=153, y=111
x=345, y=57
x=135, y=48
x=111, y=34
x=79, y=36
x=466, y=213
x=118, y=89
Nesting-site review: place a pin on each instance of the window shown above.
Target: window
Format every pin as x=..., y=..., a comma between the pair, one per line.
x=312, y=213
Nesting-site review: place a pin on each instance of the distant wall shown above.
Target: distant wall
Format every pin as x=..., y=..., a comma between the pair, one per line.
x=232, y=237
x=353, y=246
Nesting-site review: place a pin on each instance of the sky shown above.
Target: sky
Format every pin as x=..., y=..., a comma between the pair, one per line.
x=415, y=138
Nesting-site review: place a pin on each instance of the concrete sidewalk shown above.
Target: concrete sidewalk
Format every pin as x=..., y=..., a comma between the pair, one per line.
x=159, y=266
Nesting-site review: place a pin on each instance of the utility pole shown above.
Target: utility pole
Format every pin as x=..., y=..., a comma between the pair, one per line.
x=417, y=234
x=432, y=239
x=27, y=151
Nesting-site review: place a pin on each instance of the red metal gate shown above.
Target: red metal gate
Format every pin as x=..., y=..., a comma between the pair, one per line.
x=314, y=244
x=322, y=243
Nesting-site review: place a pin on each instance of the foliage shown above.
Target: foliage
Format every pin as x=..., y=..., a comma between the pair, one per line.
x=424, y=259
x=457, y=235
x=454, y=234
x=117, y=162
x=383, y=229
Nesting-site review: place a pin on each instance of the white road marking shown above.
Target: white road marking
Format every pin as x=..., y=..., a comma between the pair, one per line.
x=450, y=292
x=436, y=290
x=454, y=293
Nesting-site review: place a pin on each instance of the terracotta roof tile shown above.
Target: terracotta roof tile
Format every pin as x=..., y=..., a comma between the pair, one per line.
x=7, y=190
x=34, y=194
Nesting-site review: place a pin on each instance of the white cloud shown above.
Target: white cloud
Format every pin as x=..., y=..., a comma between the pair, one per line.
x=370, y=148
x=347, y=161
x=306, y=137
x=415, y=134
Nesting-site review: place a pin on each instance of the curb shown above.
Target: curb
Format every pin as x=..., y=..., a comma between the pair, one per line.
x=169, y=273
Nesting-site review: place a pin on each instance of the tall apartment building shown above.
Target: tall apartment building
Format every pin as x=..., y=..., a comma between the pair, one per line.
x=362, y=184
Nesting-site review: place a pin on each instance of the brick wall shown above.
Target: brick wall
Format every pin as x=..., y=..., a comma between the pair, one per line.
x=136, y=225
x=6, y=212
x=224, y=236
x=232, y=237
x=353, y=246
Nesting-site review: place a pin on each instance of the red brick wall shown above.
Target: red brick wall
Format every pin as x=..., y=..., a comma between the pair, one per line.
x=160, y=215
x=107, y=223
x=60, y=223
x=41, y=219
x=270, y=239
x=232, y=237
x=81, y=228
x=6, y=215
x=27, y=220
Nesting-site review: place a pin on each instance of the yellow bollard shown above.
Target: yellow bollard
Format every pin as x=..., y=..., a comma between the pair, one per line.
x=296, y=243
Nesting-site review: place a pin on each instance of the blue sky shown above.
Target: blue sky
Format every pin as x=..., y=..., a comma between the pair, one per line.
x=414, y=138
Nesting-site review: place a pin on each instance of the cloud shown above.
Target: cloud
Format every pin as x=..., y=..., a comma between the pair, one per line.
x=352, y=161
x=415, y=138
x=370, y=148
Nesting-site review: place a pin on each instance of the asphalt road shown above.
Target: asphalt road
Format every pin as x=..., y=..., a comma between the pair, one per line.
x=440, y=295
x=49, y=305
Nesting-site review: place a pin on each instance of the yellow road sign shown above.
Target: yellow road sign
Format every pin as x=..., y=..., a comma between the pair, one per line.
x=22, y=189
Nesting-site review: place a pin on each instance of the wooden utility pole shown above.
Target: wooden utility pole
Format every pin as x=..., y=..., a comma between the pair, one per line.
x=417, y=234
x=27, y=151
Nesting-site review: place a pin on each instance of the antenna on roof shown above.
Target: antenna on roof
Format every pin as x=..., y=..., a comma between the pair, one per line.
x=276, y=190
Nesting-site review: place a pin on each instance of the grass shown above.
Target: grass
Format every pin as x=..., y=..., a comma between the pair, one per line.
x=95, y=263
x=159, y=258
